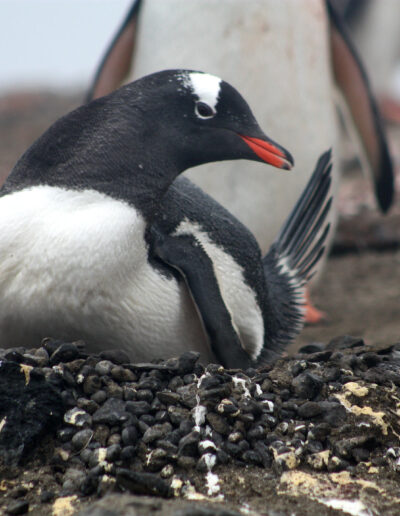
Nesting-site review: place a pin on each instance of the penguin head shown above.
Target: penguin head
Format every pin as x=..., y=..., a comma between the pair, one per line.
x=200, y=118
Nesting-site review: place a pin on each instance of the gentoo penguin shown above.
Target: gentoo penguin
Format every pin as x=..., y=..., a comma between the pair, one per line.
x=286, y=57
x=100, y=240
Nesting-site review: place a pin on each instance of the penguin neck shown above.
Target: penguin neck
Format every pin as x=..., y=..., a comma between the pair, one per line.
x=112, y=158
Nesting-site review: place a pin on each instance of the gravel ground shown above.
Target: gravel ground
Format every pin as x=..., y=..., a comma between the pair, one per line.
x=322, y=425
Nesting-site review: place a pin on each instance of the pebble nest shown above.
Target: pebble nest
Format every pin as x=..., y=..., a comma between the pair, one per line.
x=157, y=428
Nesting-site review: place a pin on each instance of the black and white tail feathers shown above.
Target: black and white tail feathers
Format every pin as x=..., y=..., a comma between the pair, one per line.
x=292, y=258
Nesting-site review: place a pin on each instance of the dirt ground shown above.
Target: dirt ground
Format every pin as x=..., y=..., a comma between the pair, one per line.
x=360, y=288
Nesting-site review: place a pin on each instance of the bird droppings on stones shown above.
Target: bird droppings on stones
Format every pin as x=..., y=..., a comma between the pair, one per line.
x=176, y=429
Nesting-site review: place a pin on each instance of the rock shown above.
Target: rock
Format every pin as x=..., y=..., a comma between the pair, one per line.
x=99, y=397
x=156, y=432
x=81, y=439
x=188, y=445
x=18, y=507
x=218, y=423
x=91, y=385
x=178, y=414
x=168, y=397
x=103, y=367
x=77, y=417
x=28, y=402
x=138, y=408
x=345, y=342
x=307, y=385
x=143, y=483
x=66, y=352
x=309, y=409
x=112, y=412
x=101, y=434
x=333, y=413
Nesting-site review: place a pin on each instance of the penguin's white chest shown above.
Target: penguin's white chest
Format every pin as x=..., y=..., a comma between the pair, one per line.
x=74, y=264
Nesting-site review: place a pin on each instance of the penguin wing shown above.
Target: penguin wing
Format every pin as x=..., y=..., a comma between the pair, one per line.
x=185, y=254
x=116, y=62
x=291, y=259
x=352, y=80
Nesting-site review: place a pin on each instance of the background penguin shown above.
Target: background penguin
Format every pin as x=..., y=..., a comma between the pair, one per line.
x=99, y=242
x=286, y=57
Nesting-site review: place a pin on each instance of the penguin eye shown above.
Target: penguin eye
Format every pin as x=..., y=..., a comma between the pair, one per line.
x=203, y=110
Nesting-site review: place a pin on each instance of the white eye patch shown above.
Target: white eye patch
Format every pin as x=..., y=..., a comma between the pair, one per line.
x=205, y=86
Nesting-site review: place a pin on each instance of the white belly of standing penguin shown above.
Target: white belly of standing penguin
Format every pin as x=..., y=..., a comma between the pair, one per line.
x=73, y=265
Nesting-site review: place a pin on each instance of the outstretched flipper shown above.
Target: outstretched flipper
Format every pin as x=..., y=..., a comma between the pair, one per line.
x=116, y=63
x=352, y=81
x=293, y=256
x=185, y=254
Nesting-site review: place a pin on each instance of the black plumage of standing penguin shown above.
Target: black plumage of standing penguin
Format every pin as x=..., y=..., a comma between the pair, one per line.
x=101, y=240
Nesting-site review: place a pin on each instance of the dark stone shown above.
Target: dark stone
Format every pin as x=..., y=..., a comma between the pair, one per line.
x=187, y=362
x=186, y=462
x=103, y=367
x=66, y=352
x=285, y=394
x=129, y=435
x=232, y=448
x=156, y=460
x=161, y=416
x=46, y=496
x=252, y=457
x=298, y=367
x=137, y=408
x=319, y=432
x=18, y=507
x=81, y=438
x=128, y=453
x=113, y=452
x=345, y=342
x=321, y=356
x=156, y=432
x=333, y=413
x=360, y=454
x=143, y=483
x=188, y=445
x=65, y=434
x=218, y=423
x=186, y=426
x=29, y=403
x=112, y=412
x=148, y=419
x=262, y=449
x=257, y=432
x=306, y=385
x=168, y=398
x=91, y=385
x=331, y=374
x=18, y=492
x=309, y=409
x=153, y=384
x=14, y=356
x=144, y=395
x=315, y=347
x=89, y=406
x=116, y=356
x=209, y=382
x=77, y=417
x=178, y=414
x=50, y=345
x=313, y=446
